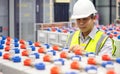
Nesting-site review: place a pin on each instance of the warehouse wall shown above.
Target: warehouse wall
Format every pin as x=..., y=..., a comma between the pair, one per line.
x=106, y=10
x=4, y=15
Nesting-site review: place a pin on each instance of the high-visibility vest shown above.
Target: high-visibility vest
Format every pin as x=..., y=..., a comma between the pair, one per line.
x=94, y=45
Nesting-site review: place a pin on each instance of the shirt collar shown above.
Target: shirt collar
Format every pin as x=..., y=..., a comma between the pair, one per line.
x=93, y=32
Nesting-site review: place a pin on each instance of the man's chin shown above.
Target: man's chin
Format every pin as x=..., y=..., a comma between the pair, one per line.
x=83, y=30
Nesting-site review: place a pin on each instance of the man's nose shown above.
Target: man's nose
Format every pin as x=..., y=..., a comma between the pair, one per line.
x=80, y=20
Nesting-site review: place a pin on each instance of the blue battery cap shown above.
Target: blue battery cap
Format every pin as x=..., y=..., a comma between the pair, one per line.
x=106, y=30
x=65, y=49
x=47, y=46
x=109, y=65
x=16, y=40
x=37, y=56
x=118, y=60
x=110, y=62
x=108, y=33
x=90, y=53
x=30, y=42
x=40, y=66
x=62, y=61
x=3, y=37
x=53, y=52
x=118, y=37
x=71, y=31
x=0, y=53
x=2, y=41
x=1, y=46
x=16, y=44
x=33, y=48
x=16, y=59
x=58, y=30
x=76, y=56
x=86, y=68
x=115, y=33
x=48, y=29
x=103, y=64
x=110, y=28
x=90, y=67
x=71, y=72
x=93, y=68
x=17, y=50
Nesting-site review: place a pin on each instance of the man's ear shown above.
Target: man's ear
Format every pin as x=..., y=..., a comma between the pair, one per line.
x=94, y=18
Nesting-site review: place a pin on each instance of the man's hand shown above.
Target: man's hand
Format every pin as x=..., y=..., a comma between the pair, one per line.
x=76, y=47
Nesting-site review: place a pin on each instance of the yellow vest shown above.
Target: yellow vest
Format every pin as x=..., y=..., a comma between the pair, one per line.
x=93, y=45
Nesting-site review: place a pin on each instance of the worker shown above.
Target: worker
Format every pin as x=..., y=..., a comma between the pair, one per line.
x=88, y=37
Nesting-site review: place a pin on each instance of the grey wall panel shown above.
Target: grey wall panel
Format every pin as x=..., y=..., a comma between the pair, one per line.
x=4, y=17
x=102, y=2
x=106, y=10
x=27, y=19
x=46, y=11
x=103, y=15
x=113, y=15
x=11, y=18
x=16, y=18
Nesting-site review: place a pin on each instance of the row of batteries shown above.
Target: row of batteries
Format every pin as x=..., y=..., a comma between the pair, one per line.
x=76, y=62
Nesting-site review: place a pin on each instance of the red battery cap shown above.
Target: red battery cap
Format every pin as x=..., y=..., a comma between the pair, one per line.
x=41, y=50
x=55, y=70
x=23, y=46
x=37, y=44
x=55, y=47
x=47, y=58
x=25, y=53
x=105, y=57
x=78, y=52
x=7, y=48
x=6, y=56
x=8, y=43
x=111, y=71
x=91, y=61
x=63, y=54
x=75, y=65
x=22, y=41
x=27, y=62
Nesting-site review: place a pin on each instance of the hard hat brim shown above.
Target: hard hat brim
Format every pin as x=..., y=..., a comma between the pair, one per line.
x=80, y=16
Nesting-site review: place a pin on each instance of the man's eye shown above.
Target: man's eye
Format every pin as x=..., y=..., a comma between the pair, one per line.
x=85, y=19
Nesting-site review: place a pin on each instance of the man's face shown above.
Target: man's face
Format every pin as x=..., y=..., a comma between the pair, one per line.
x=85, y=24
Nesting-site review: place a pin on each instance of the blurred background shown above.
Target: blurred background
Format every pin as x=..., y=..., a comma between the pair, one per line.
x=18, y=17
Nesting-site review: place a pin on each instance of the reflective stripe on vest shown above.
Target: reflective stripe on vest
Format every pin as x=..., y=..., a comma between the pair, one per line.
x=114, y=48
x=94, y=45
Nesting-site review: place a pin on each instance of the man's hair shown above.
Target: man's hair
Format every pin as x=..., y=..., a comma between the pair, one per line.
x=92, y=15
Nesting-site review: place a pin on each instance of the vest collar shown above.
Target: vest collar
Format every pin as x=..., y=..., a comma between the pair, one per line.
x=91, y=34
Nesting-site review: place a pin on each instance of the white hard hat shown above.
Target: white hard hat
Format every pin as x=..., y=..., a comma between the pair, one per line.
x=82, y=9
